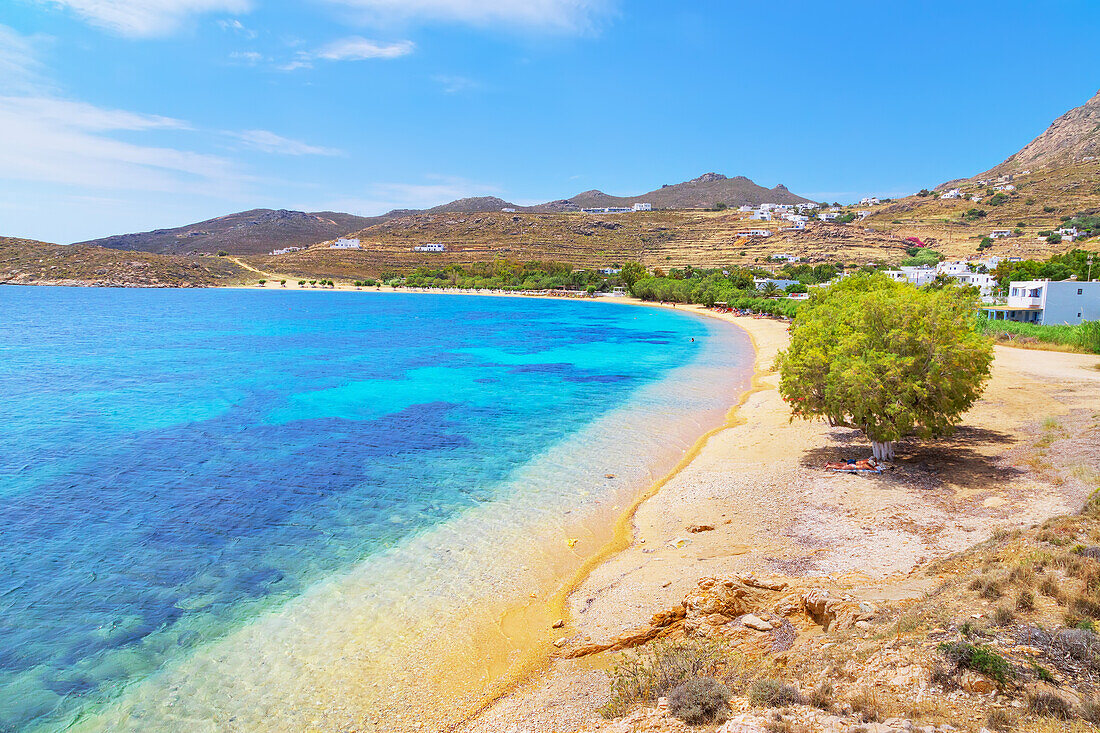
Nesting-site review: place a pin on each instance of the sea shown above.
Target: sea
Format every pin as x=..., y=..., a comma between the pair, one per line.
x=261, y=509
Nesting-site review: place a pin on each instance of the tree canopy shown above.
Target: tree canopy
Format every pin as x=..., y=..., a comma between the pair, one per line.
x=887, y=358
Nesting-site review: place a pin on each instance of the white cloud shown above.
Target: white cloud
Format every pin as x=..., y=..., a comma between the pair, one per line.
x=269, y=142
x=19, y=64
x=555, y=15
x=353, y=48
x=58, y=141
x=251, y=58
x=453, y=84
x=232, y=25
x=146, y=17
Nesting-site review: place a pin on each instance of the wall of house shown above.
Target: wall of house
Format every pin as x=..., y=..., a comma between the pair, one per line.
x=1063, y=304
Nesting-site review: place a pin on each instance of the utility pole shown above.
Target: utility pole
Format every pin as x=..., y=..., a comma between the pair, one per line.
x=1089, y=277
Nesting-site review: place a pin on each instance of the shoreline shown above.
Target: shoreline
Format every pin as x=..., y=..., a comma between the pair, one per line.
x=524, y=626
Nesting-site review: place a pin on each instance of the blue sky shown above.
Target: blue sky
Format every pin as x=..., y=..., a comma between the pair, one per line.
x=126, y=115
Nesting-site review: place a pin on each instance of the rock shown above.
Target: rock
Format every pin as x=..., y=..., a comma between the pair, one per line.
x=696, y=528
x=863, y=625
x=976, y=684
x=558, y=624
x=755, y=622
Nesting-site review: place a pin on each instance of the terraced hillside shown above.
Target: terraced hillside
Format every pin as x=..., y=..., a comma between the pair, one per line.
x=657, y=239
x=29, y=262
x=1039, y=202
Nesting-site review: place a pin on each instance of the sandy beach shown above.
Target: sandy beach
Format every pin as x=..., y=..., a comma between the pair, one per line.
x=756, y=499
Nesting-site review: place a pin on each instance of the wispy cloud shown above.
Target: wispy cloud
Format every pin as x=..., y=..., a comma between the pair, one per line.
x=20, y=68
x=453, y=84
x=352, y=48
x=552, y=15
x=143, y=18
x=232, y=25
x=60, y=141
x=268, y=142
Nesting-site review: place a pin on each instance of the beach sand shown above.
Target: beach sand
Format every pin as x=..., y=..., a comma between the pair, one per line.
x=759, y=484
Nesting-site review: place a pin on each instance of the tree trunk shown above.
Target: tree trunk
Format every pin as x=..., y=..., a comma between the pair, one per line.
x=882, y=451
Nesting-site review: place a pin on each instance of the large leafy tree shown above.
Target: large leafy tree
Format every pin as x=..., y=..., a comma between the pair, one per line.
x=886, y=358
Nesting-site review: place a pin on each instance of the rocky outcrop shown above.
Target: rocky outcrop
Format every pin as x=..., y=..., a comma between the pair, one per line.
x=752, y=613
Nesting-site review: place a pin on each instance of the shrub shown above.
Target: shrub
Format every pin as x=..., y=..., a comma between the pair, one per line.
x=655, y=669
x=822, y=696
x=222, y=253
x=1048, y=209
x=1000, y=720
x=773, y=693
x=1003, y=616
x=1025, y=600
x=1042, y=673
x=1049, y=705
x=978, y=658
x=699, y=700
x=1090, y=710
x=1084, y=606
x=1049, y=587
x=866, y=704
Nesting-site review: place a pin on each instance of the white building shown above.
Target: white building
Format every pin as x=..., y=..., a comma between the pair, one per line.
x=798, y=225
x=432, y=247
x=786, y=258
x=767, y=207
x=342, y=243
x=1005, y=187
x=761, y=215
x=1049, y=302
x=828, y=216
x=1000, y=233
x=868, y=201
x=744, y=209
x=611, y=270
x=954, y=193
x=608, y=210
x=285, y=250
x=508, y=210
x=914, y=275
x=643, y=207
x=755, y=233
x=863, y=214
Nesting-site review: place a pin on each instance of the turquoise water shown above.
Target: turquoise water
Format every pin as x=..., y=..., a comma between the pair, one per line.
x=177, y=465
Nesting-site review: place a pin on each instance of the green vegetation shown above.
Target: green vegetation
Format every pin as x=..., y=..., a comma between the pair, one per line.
x=505, y=274
x=886, y=358
x=1083, y=337
x=923, y=258
x=974, y=214
x=845, y=218
x=965, y=655
x=1058, y=267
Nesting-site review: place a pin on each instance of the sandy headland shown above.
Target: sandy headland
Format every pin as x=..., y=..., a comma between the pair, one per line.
x=756, y=500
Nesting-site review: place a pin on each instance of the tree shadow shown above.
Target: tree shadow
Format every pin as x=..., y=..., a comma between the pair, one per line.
x=930, y=464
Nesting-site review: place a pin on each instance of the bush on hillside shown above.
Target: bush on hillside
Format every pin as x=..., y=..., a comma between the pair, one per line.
x=698, y=701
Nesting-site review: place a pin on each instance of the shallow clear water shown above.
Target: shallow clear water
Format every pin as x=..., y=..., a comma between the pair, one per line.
x=180, y=468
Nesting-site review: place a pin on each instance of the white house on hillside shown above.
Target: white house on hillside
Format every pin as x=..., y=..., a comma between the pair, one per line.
x=754, y=233
x=342, y=243
x=868, y=201
x=643, y=207
x=761, y=215
x=431, y=247
x=1000, y=233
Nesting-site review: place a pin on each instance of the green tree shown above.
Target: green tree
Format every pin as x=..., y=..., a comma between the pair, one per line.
x=631, y=273
x=885, y=358
x=770, y=289
x=262, y=283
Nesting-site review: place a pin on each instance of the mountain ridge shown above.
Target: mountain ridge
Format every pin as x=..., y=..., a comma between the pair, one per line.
x=259, y=231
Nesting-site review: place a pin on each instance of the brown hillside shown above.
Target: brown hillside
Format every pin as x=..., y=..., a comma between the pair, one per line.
x=28, y=262
x=658, y=239
x=246, y=232
x=1065, y=190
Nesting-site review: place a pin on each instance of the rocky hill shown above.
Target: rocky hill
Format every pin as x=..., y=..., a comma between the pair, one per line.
x=1072, y=138
x=247, y=232
x=702, y=192
x=29, y=262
